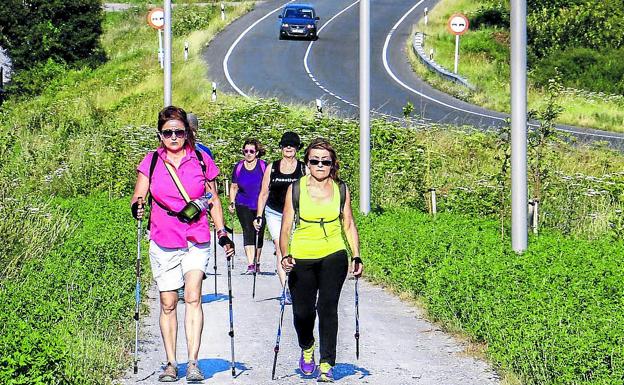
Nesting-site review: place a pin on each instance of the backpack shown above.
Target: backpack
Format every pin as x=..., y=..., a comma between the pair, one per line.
x=239, y=167
x=296, y=193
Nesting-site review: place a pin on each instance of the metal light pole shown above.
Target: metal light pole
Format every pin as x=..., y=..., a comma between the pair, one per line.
x=167, y=74
x=518, y=126
x=365, y=106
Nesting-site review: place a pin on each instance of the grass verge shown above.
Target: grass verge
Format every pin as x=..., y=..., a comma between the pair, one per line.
x=484, y=61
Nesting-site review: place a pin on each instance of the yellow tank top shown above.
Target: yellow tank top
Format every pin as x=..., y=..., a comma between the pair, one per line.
x=311, y=240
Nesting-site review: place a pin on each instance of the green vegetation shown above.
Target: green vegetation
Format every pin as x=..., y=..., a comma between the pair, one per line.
x=80, y=140
x=580, y=54
x=552, y=315
x=43, y=35
x=66, y=317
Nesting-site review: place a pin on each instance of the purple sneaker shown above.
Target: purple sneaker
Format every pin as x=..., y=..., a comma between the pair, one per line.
x=326, y=373
x=250, y=269
x=306, y=362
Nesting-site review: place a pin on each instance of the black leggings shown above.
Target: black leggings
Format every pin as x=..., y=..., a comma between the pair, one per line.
x=246, y=217
x=324, y=276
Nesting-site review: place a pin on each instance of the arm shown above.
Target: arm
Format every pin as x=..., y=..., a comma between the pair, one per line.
x=348, y=225
x=263, y=196
x=288, y=218
x=233, y=192
x=141, y=188
x=264, y=191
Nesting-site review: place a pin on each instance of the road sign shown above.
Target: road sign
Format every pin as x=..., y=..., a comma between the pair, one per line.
x=156, y=18
x=458, y=24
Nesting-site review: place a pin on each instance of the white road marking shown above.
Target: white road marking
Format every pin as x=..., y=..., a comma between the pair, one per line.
x=231, y=49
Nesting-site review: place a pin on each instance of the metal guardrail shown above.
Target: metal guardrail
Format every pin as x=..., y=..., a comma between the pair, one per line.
x=417, y=44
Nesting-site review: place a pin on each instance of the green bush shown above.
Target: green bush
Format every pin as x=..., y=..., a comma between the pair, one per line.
x=551, y=315
x=584, y=68
x=486, y=17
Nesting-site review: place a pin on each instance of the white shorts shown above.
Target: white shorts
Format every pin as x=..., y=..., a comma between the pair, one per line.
x=170, y=265
x=274, y=222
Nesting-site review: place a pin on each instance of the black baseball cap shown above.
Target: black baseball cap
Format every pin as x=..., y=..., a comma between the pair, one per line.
x=290, y=139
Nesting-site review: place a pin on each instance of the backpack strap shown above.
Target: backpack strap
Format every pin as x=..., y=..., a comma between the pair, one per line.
x=239, y=167
x=342, y=187
x=296, y=192
x=200, y=157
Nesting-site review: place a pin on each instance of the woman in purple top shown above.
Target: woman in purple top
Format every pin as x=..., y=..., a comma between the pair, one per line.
x=246, y=183
x=180, y=245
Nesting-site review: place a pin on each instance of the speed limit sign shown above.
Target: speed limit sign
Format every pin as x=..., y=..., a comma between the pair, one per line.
x=156, y=18
x=458, y=24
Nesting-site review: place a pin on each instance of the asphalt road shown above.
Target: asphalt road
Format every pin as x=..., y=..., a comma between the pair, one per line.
x=249, y=59
x=397, y=345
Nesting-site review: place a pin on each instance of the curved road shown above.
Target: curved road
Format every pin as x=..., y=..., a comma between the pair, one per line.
x=248, y=58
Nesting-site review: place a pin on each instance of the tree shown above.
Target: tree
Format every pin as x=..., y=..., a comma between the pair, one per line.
x=34, y=31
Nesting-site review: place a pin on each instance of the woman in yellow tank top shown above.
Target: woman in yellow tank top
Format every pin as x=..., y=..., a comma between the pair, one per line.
x=316, y=257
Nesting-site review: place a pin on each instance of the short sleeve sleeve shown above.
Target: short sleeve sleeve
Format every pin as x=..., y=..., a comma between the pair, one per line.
x=144, y=166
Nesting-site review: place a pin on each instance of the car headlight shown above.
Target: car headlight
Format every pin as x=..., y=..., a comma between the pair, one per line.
x=310, y=25
x=285, y=25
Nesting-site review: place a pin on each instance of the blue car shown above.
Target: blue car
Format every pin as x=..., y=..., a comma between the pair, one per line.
x=298, y=20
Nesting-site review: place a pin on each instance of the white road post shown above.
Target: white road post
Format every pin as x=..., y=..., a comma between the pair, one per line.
x=167, y=53
x=365, y=106
x=213, y=95
x=518, y=126
x=426, y=15
x=186, y=50
x=222, y=12
x=431, y=54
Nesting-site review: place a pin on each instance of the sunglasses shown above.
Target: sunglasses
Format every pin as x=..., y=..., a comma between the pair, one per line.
x=178, y=133
x=324, y=162
x=251, y=151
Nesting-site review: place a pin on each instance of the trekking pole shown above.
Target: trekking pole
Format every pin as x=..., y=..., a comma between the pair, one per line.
x=214, y=238
x=231, y=333
x=357, y=321
x=137, y=291
x=279, y=328
x=255, y=271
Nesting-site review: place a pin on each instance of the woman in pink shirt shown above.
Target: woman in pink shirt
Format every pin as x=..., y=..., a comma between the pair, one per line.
x=180, y=245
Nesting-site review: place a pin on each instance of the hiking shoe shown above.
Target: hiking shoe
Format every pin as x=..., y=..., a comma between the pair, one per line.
x=306, y=362
x=326, y=373
x=257, y=268
x=170, y=374
x=193, y=374
x=250, y=269
x=181, y=294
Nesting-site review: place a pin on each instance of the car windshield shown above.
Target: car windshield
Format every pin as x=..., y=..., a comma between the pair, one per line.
x=299, y=13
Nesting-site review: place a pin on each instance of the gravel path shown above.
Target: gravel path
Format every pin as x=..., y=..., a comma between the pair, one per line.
x=397, y=346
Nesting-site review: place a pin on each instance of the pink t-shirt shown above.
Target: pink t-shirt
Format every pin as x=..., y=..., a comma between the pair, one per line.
x=166, y=230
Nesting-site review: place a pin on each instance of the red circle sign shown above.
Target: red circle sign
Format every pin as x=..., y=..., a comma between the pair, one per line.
x=458, y=24
x=156, y=18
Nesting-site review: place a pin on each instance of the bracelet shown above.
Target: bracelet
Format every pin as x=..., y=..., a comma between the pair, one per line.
x=221, y=233
x=357, y=260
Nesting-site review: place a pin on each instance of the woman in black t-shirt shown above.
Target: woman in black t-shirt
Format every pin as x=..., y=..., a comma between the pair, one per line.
x=277, y=177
